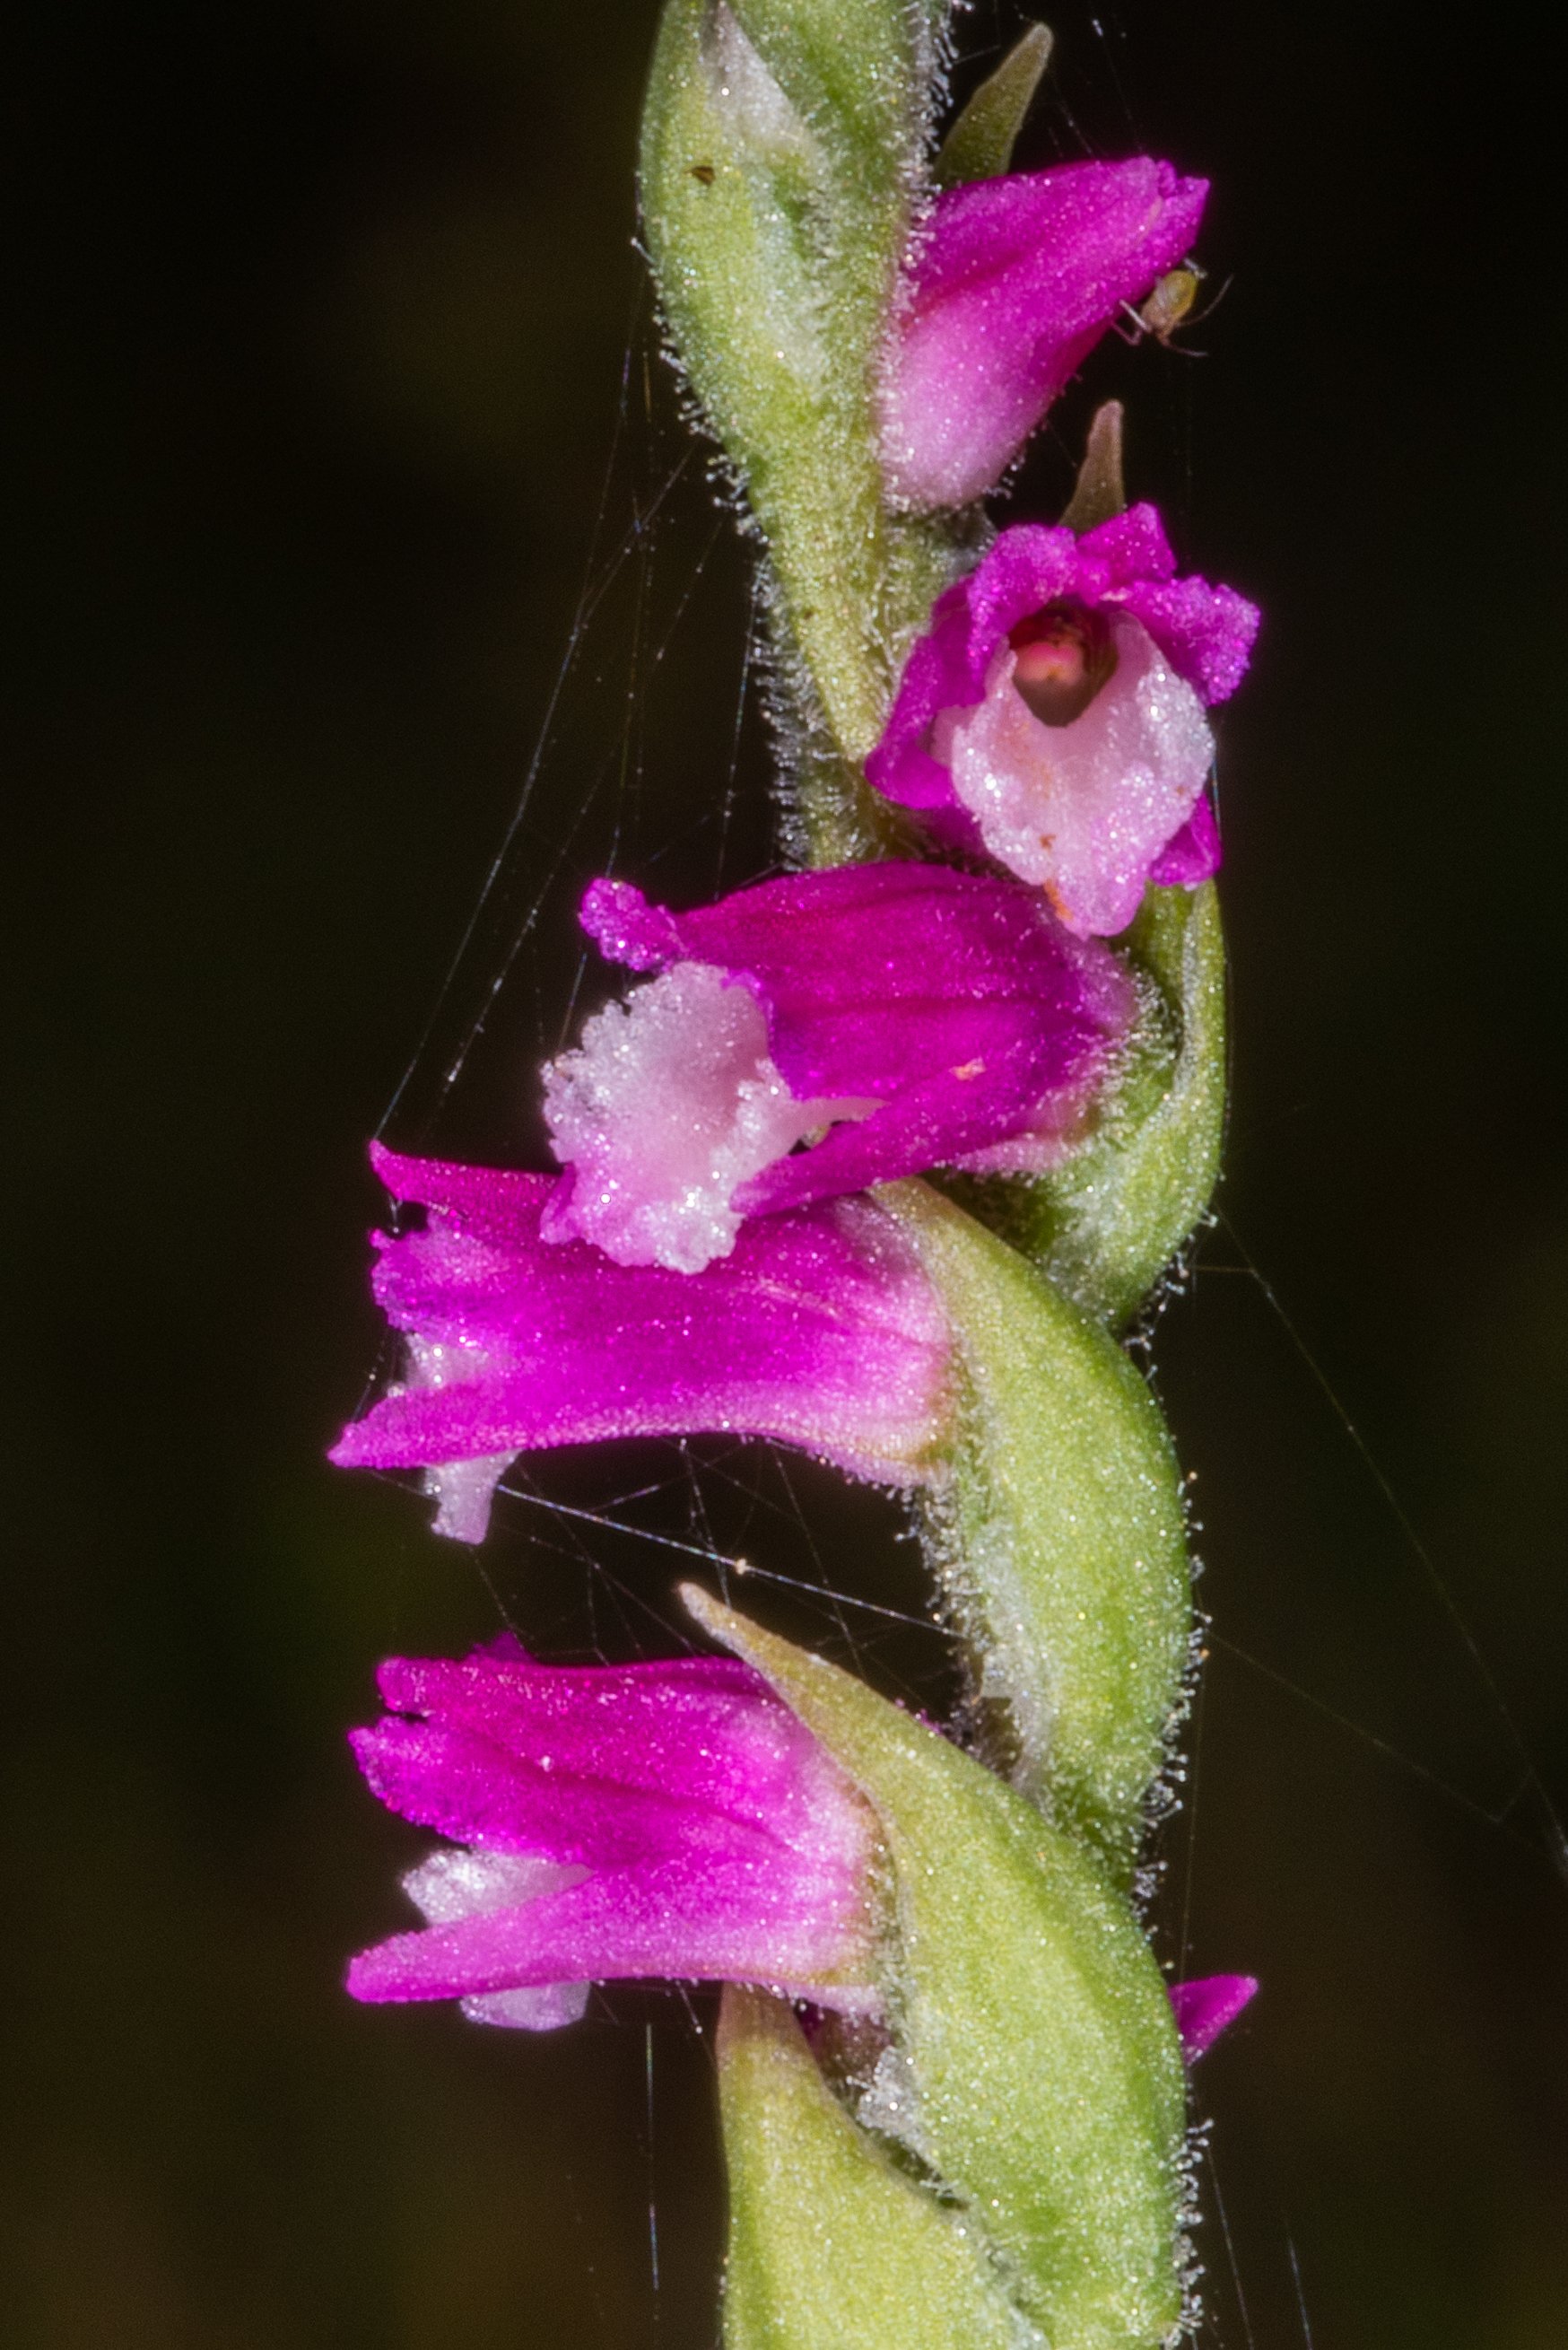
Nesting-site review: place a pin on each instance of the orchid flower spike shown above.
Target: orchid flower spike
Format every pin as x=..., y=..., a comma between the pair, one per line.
x=1054, y=714
x=1012, y=284
x=909, y=1015
x=670, y=1819
x=819, y=1329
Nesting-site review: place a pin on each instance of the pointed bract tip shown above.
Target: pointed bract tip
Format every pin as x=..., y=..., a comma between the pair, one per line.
x=720, y=1622
x=1100, y=490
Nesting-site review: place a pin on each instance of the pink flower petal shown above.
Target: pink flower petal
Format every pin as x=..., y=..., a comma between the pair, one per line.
x=1094, y=808
x=664, y=1819
x=900, y=1015
x=819, y=1330
x=1208, y=2006
x=1013, y=283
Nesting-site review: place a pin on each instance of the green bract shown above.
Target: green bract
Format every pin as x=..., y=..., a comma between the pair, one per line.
x=783, y=143
x=1035, y=2024
x=775, y=210
x=1105, y=1226
x=1060, y=1535
x=979, y=144
x=830, y=2246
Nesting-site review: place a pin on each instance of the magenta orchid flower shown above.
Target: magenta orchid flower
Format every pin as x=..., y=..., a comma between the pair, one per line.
x=819, y=1330
x=1013, y=282
x=670, y=1819
x=1054, y=714
x=1206, y=2007
x=911, y=1016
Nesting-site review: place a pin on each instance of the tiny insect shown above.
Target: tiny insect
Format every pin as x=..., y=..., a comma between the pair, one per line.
x=1170, y=308
x=703, y=172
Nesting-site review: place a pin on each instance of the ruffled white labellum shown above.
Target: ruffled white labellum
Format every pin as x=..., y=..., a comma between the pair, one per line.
x=1083, y=809
x=671, y=1102
x=453, y=1884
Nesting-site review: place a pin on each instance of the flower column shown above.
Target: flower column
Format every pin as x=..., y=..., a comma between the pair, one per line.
x=870, y=355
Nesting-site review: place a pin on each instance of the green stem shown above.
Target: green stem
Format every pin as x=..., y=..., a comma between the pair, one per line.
x=785, y=143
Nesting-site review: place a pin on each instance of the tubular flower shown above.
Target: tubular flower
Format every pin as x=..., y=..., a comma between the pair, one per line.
x=912, y=1015
x=612, y=1821
x=819, y=1330
x=1013, y=284
x=1054, y=714
x=1208, y=2006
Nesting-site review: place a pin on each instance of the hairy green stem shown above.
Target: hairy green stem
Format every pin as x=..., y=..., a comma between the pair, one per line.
x=1036, y=2196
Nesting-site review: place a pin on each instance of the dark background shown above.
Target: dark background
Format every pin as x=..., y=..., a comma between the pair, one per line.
x=331, y=383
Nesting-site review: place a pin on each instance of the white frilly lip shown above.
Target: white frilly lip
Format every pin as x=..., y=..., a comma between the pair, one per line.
x=455, y=1883
x=669, y=1105
x=1083, y=810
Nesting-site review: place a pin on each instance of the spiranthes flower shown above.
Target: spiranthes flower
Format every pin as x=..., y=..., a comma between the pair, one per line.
x=1012, y=284
x=668, y=1819
x=605, y=1822
x=1054, y=714
x=819, y=1329
x=898, y=1016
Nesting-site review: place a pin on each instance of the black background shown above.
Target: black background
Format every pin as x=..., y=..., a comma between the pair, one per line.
x=322, y=321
